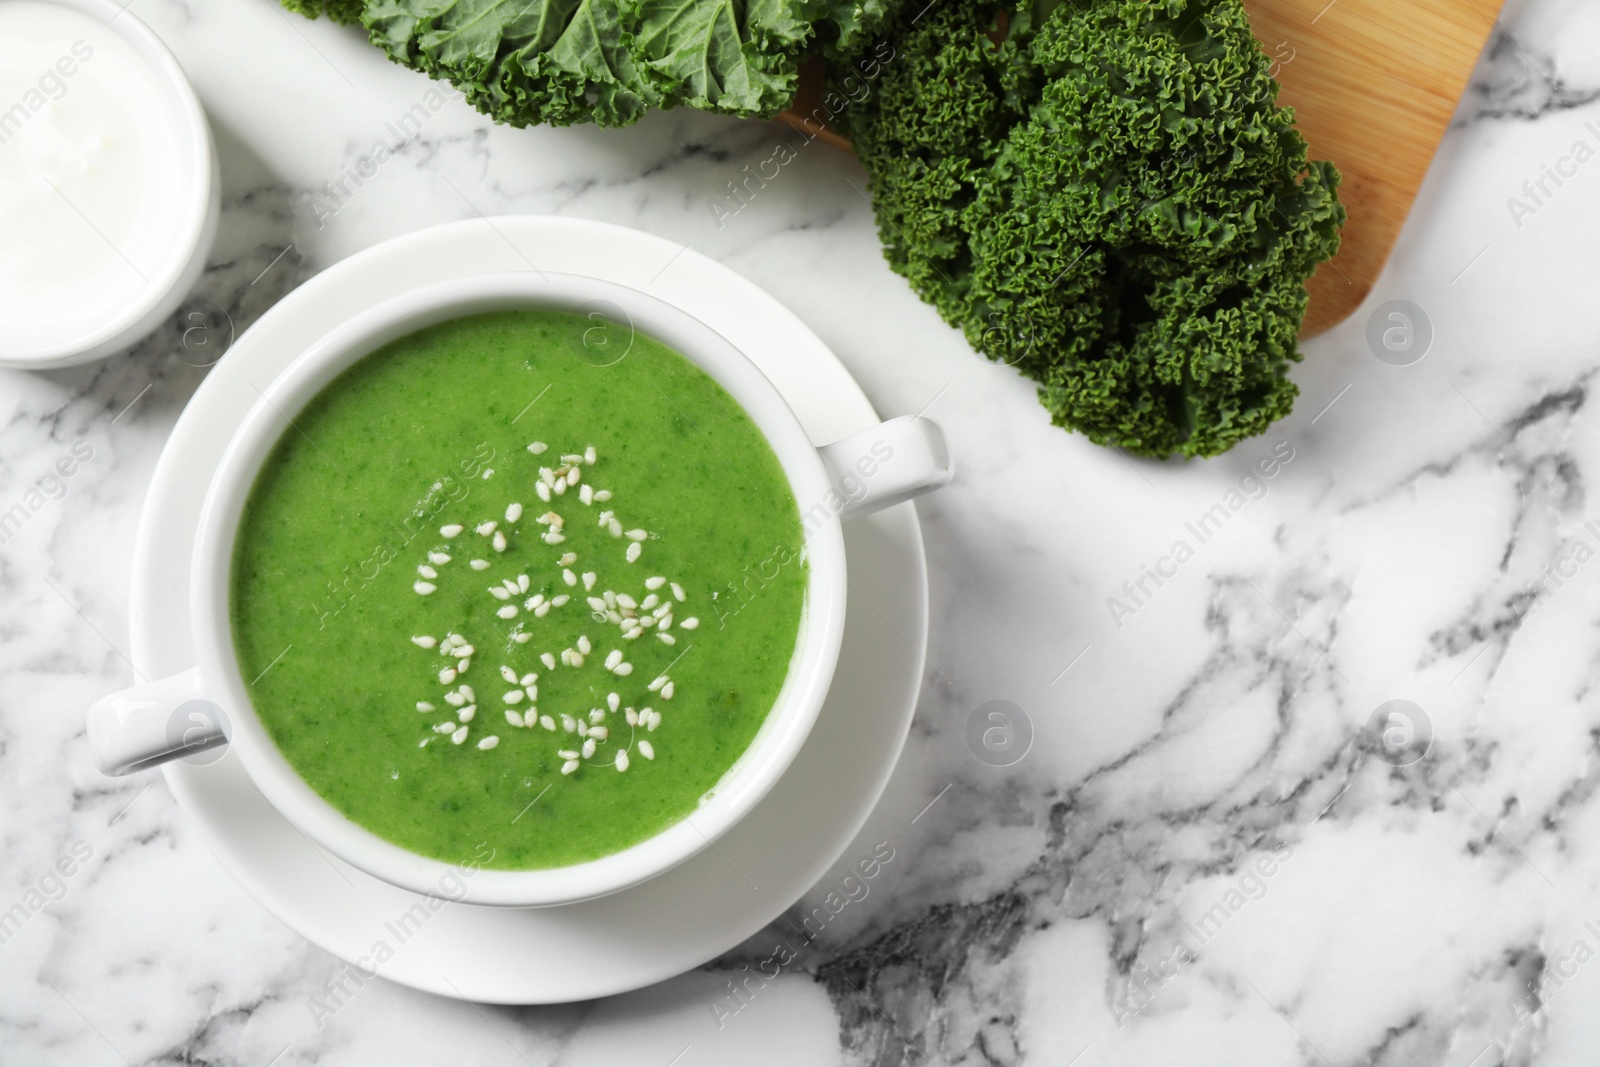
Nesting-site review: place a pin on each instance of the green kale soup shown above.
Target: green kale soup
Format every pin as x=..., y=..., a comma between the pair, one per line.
x=518, y=580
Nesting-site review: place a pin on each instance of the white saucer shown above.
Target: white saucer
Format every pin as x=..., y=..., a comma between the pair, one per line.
x=668, y=925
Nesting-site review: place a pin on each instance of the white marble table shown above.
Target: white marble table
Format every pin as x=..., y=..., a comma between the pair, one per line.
x=1201, y=859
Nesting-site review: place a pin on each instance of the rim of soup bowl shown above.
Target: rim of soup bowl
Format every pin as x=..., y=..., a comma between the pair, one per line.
x=757, y=769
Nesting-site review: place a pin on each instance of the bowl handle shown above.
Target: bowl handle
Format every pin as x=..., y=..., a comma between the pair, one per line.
x=153, y=723
x=886, y=465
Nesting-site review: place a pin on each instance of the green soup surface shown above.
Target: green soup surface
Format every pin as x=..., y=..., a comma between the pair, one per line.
x=398, y=581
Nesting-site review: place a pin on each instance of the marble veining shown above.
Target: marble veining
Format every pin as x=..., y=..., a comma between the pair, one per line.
x=1207, y=855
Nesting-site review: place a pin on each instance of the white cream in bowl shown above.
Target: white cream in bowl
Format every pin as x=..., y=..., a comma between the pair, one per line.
x=107, y=182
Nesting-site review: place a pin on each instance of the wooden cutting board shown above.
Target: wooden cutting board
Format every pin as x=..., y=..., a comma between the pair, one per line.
x=1373, y=84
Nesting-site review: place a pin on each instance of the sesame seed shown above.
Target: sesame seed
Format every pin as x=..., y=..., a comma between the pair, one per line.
x=466, y=714
x=568, y=577
x=655, y=720
x=567, y=753
x=530, y=718
x=441, y=558
x=424, y=642
x=568, y=723
x=638, y=535
x=583, y=644
x=573, y=475
x=567, y=560
x=508, y=612
x=572, y=457
x=479, y=564
x=649, y=602
x=547, y=722
x=513, y=697
x=577, y=659
x=656, y=685
x=560, y=600
x=633, y=551
x=589, y=579
x=589, y=455
x=588, y=748
x=484, y=529
x=597, y=603
x=523, y=583
x=541, y=611
x=488, y=473
x=632, y=717
x=537, y=447
x=450, y=530
x=445, y=728
x=534, y=601
x=689, y=624
x=622, y=761
x=569, y=766
x=499, y=592
x=627, y=601
x=613, y=701
x=523, y=638
x=602, y=495
x=633, y=634
x=553, y=538
x=666, y=621
x=423, y=705
x=462, y=651
x=513, y=718
x=647, y=750
x=466, y=691
x=528, y=679
x=532, y=691
x=499, y=541
x=543, y=491
x=677, y=593
x=459, y=736
x=508, y=674
x=560, y=486
x=586, y=493
x=614, y=528
x=455, y=699
x=424, y=588
x=666, y=639
x=488, y=743
x=461, y=668
x=599, y=733
x=447, y=676
x=613, y=658
x=666, y=690
x=513, y=512
x=624, y=669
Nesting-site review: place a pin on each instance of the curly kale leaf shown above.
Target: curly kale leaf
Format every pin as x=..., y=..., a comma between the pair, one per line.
x=607, y=61
x=1111, y=200
x=344, y=12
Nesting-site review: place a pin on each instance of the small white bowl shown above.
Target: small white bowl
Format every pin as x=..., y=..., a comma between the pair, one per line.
x=189, y=229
